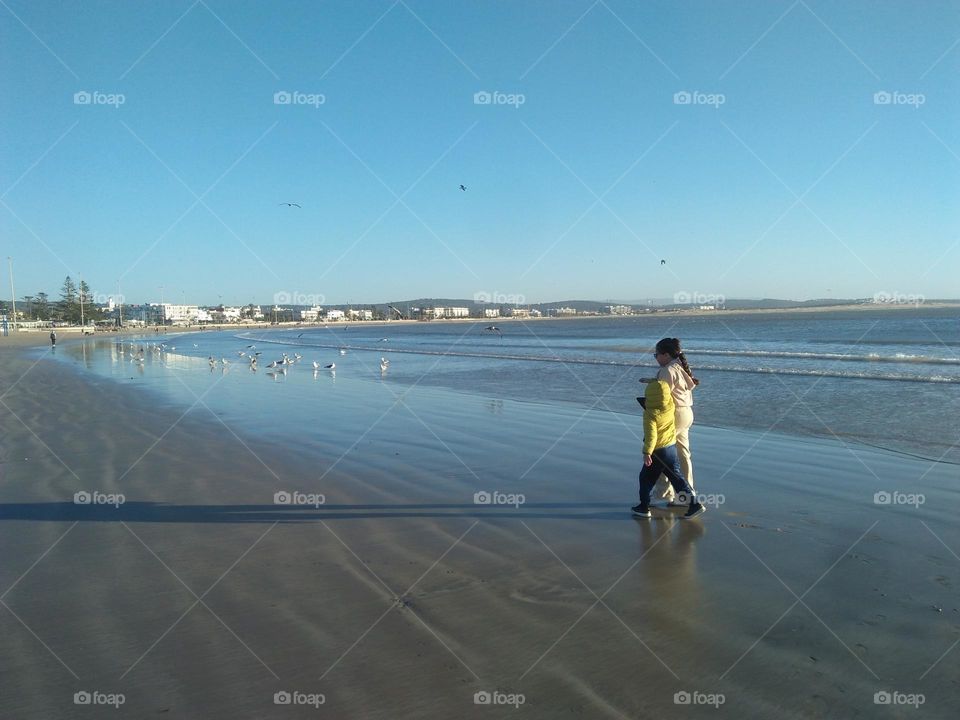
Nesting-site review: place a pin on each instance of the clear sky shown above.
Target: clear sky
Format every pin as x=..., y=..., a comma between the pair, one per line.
x=784, y=175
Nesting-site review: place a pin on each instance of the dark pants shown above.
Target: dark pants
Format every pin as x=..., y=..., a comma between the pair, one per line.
x=666, y=462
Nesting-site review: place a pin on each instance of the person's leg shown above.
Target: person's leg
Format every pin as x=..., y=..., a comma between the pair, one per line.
x=683, y=418
x=648, y=478
x=663, y=489
x=669, y=463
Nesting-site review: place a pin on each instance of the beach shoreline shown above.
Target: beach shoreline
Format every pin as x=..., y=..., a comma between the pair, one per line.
x=400, y=597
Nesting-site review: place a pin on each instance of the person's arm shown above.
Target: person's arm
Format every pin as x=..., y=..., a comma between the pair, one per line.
x=649, y=437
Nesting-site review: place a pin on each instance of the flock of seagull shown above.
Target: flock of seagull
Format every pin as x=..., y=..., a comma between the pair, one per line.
x=278, y=366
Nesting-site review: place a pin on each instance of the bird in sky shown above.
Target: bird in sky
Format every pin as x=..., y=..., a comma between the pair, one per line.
x=463, y=188
x=663, y=262
x=290, y=204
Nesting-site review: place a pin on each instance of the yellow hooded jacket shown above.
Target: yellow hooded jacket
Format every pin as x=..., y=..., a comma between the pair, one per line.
x=659, y=429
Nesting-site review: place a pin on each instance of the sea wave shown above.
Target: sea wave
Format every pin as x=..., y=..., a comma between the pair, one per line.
x=756, y=369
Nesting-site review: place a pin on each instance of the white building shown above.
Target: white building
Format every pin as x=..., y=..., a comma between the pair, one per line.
x=360, y=314
x=491, y=312
x=311, y=315
x=335, y=315
x=177, y=314
x=231, y=314
x=619, y=309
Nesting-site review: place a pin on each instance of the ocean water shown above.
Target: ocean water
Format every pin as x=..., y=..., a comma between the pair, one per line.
x=888, y=379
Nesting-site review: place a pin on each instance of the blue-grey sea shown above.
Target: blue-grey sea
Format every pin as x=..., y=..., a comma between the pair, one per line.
x=884, y=378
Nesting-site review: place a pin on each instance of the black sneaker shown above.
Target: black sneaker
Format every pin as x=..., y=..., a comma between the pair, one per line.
x=695, y=509
x=642, y=511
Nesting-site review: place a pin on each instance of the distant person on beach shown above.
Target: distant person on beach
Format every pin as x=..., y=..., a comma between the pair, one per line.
x=675, y=371
x=660, y=450
x=53, y=339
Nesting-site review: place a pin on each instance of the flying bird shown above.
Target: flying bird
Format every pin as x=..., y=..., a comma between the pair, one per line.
x=289, y=204
x=663, y=262
x=493, y=328
x=463, y=188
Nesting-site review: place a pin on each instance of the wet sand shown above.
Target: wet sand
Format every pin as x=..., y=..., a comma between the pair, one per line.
x=398, y=597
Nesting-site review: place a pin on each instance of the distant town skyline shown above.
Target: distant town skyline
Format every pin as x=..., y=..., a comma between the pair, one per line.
x=212, y=153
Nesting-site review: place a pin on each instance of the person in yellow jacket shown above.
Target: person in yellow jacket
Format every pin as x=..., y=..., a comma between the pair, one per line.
x=660, y=450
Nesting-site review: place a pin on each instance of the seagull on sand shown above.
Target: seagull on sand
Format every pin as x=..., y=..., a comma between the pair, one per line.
x=331, y=366
x=384, y=364
x=316, y=365
x=289, y=204
x=343, y=351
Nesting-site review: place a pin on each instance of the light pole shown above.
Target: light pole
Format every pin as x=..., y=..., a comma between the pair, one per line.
x=13, y=295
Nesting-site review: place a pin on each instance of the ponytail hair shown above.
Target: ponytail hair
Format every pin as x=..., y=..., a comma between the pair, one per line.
x=671, y=346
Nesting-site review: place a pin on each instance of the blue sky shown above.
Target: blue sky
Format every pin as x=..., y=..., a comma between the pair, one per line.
x=784, y=176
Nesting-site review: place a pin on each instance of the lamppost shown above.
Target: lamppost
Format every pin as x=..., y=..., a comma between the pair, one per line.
x=13, y=295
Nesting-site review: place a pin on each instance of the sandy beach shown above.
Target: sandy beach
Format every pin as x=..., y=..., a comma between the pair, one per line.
x=800, y=593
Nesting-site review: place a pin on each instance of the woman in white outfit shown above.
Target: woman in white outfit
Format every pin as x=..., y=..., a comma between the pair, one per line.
x=675, y=371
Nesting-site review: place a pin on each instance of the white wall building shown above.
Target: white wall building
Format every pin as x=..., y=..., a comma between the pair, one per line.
x=360, y=314
x=311, y=315
x=491, y=312
x=335, y=315
x=177, y=314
